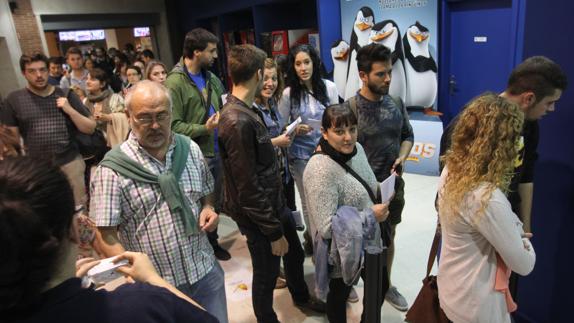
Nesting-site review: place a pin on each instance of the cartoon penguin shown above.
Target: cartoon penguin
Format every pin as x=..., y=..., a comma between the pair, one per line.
x=420, y=67
x=387, y=33
x=362, y=25
x=339, y=54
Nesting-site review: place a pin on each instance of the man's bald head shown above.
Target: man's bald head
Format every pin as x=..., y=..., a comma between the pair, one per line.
x=147, y=91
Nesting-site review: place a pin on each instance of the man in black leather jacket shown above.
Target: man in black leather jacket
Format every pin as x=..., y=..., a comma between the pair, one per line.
x=252, y=189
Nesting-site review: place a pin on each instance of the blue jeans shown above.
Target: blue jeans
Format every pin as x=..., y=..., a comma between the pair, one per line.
x=209, y=292
x=297, y=167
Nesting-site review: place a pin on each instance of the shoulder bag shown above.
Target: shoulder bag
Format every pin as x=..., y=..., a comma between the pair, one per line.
x=426, y=308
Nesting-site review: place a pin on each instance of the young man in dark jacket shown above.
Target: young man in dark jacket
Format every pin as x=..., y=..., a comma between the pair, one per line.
x=196, y=95
x=252, y=189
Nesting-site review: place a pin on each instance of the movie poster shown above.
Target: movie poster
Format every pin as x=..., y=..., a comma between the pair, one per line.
x=409, y=28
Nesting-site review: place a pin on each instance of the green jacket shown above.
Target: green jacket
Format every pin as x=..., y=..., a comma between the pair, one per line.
x=189, y=114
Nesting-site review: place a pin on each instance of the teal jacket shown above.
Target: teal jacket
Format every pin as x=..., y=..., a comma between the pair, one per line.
x=189, y=113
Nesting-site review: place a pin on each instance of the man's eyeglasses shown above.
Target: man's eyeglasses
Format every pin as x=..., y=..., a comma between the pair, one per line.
x=148, y=119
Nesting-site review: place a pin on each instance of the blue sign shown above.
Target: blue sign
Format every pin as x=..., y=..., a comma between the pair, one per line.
x=424, y=157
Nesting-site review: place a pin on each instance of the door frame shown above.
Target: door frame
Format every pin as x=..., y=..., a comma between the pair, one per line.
x=518, y=9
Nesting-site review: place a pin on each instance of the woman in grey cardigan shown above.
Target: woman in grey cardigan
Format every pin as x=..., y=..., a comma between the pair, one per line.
x=329, y=186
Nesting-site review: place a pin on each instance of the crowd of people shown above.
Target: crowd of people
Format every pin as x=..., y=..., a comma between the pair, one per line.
x=179, y=150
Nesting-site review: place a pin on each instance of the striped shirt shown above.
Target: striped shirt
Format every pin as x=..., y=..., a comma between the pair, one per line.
x=145, y=223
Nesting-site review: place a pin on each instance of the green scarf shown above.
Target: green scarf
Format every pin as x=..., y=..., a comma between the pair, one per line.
x=168, y=182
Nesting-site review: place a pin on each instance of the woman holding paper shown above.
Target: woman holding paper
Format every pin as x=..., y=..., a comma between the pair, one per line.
x=482, y=239
x=331, y=186
x=266, y=102
x=306, y=97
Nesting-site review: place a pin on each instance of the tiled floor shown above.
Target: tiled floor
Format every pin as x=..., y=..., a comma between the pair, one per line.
x=413, y=239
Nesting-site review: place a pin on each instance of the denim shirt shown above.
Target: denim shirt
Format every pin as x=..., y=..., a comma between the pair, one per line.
x=274, y=122
x=271, y=118
x=352, y=232
x=303, y=146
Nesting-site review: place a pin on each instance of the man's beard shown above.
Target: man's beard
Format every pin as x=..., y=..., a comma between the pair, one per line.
x=378, y=90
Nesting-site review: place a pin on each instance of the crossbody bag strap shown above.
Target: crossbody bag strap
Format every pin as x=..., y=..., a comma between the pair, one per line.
x=357, y=177
x=433, y=252
x=72, y=129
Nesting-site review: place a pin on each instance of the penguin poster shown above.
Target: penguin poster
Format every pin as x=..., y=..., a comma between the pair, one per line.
x=409, y=28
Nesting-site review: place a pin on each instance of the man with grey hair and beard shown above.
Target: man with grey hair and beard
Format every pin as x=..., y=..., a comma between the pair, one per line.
x=153, y=194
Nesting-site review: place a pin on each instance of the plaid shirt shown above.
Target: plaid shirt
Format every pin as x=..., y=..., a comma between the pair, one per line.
x=144, y=221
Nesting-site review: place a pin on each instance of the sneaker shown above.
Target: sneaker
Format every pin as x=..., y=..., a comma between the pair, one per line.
x=280, y=283
x=397, y=300
x=312, y=304
x=220, y=253
x=353, y=297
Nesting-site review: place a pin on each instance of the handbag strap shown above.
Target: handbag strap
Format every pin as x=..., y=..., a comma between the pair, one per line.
x=357, y=177
x=72, y=129
x=433, y=251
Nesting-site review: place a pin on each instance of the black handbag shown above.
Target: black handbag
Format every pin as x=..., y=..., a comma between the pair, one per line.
x=426, y=307
x=89, y=145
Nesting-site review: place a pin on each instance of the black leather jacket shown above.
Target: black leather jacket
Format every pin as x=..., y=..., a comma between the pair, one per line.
x=253, y=194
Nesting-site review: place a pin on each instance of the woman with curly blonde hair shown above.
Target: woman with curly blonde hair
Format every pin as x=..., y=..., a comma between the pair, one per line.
x=482, y=239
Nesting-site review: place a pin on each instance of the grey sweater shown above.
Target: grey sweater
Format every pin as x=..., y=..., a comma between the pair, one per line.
x=328, y=186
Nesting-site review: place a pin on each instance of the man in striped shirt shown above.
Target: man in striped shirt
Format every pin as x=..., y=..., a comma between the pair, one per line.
x=148, y=196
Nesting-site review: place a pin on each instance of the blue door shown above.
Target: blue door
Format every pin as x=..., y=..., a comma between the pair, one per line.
x=480, y=51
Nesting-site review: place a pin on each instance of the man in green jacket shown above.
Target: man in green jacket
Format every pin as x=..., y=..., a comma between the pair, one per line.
x=196, y=95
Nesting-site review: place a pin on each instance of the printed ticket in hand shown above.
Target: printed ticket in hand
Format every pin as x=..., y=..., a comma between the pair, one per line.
x=290, y=128
x=388, y=188
x=105, y=271
x=314, y=123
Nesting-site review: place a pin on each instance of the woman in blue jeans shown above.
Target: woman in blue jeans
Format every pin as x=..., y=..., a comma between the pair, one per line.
x=306, y=96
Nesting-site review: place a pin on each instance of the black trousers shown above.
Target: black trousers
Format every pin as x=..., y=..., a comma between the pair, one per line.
x=289, y=191
x=215, y=166
x=339, y=293
x=266, y=270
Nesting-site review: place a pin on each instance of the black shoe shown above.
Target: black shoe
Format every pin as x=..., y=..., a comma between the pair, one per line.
x=313, y=304
x=308, y=248
x=220, y=253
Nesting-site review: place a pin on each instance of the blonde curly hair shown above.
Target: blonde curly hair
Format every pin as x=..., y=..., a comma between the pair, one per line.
x=484, y=146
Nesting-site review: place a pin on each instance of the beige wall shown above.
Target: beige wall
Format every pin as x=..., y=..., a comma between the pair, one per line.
x=124, y=36
x=52, y=7
x=52, y=43
x=111, y=38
